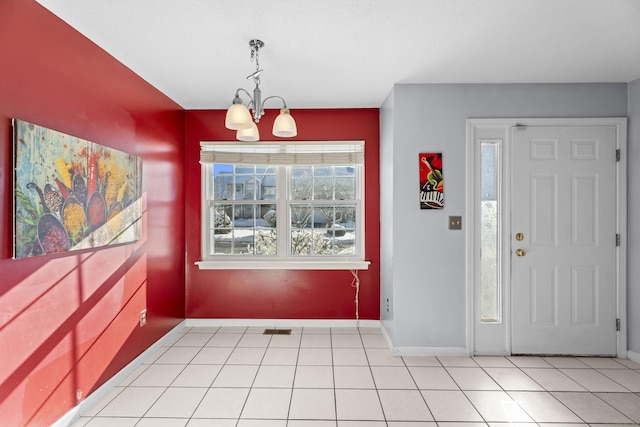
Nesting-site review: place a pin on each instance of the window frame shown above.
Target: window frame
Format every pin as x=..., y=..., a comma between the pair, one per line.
x=282, y=201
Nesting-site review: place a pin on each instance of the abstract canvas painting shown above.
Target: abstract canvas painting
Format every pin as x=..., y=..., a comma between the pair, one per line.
x=431, y=182
x=72, y=194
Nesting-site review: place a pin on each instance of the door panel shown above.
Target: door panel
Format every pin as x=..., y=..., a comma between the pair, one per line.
x=563, y=272
x=544, y=296
x=544, y=204
x=584, y=295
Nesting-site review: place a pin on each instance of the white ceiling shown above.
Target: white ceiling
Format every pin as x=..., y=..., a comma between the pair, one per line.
x=349, y=53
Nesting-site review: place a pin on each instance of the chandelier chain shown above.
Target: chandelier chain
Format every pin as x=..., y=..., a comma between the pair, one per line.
x=255, y=53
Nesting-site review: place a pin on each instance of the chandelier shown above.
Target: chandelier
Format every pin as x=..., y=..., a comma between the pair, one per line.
x=240, y=119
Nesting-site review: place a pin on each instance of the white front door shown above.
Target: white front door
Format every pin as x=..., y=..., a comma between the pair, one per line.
x=563, y=240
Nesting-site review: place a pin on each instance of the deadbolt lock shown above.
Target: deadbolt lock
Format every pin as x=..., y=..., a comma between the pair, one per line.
x=521, y=252
x=519, y=237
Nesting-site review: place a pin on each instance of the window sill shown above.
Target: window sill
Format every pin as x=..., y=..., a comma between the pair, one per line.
x=282, y=265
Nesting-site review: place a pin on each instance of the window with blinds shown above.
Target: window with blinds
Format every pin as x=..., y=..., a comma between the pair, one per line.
x=298, y=202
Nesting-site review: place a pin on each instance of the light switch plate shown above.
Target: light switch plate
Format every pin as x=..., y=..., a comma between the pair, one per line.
x=455, y=223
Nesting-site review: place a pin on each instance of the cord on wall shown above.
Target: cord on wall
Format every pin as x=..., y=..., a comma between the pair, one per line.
x=355, y=283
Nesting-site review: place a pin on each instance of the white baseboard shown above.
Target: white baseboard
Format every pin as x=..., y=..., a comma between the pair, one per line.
x=422, y=351
x=106, y=388
x=386, y=336
x=633, y=356
x=291, y=323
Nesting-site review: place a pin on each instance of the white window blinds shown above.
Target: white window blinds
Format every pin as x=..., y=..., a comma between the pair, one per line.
x=290, y=153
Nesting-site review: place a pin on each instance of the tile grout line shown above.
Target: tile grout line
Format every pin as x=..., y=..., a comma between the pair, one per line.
x=463, y=392
x=216, y=376
x=254, y=377
x=333, y=376
x=167, y=387
x=295, y=373
x=507, y=392
x=384, y=415
x=404, y=363
x=146, y=365
x=515, y=401
x=557, y=371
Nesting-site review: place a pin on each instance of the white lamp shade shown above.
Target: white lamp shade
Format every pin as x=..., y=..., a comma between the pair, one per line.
x=284, y=126
x=249, y=134
x=238, y=117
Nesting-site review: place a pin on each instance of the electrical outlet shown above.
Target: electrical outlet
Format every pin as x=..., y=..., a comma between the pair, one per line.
x=455, y=223
x=388, y=305
x=143, y=317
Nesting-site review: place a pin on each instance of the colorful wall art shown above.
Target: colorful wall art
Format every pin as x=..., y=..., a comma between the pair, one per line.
x=431, y=182
x=72, y=194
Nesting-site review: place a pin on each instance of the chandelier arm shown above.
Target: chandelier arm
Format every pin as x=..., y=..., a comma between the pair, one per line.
x=274, y=96
x=245, y=91
x=237, y=97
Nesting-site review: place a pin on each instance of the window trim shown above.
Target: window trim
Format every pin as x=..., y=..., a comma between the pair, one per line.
x=283, y=262
x=271, y=264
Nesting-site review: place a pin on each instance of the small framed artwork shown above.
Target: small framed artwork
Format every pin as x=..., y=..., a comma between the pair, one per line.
x=431, y=182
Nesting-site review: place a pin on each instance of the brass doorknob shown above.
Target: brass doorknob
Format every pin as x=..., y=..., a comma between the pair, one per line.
x=521, y=252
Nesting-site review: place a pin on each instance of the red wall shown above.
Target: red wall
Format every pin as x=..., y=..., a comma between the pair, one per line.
x=284, y=294
x=69, y=322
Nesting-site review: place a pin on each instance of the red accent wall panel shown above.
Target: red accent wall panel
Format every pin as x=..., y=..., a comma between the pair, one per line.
x=284, y=294
x=70, y=322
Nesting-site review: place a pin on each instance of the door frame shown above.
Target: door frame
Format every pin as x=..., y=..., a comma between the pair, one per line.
x=496, y=337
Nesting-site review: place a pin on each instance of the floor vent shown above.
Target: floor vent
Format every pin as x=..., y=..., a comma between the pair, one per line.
x=277, y=332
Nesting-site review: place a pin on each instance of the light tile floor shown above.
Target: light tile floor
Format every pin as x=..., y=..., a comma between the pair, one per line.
x=347, y=377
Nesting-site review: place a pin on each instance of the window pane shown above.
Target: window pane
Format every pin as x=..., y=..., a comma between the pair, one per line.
x=302, y=189
x=489, y=233
x=324, y=216
x=301, y=229
x=301, y=183
x=345, y=170
x=268, y=187
x=250, y=189
x=300, y=241
x=265, y=170
x=302, y=171
x=309, y=242
x=251, y=233
x=221, y=226
x=266, y=242
x=323, y=183
x=219, y=246
x=322, y=171
x=220, y=218
x=323, y=188
x=223, y=187
x=243, y=182
x=266, y=230
x=345, y=188
x=341, y=233
x=242, y=238
x=245, y=169
x=301, y=216
x=243, y=229
x=321, y=229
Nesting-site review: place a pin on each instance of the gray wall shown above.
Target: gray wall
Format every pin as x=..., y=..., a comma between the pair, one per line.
x=386, y=214
x=426, y=277
x=633, y=192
